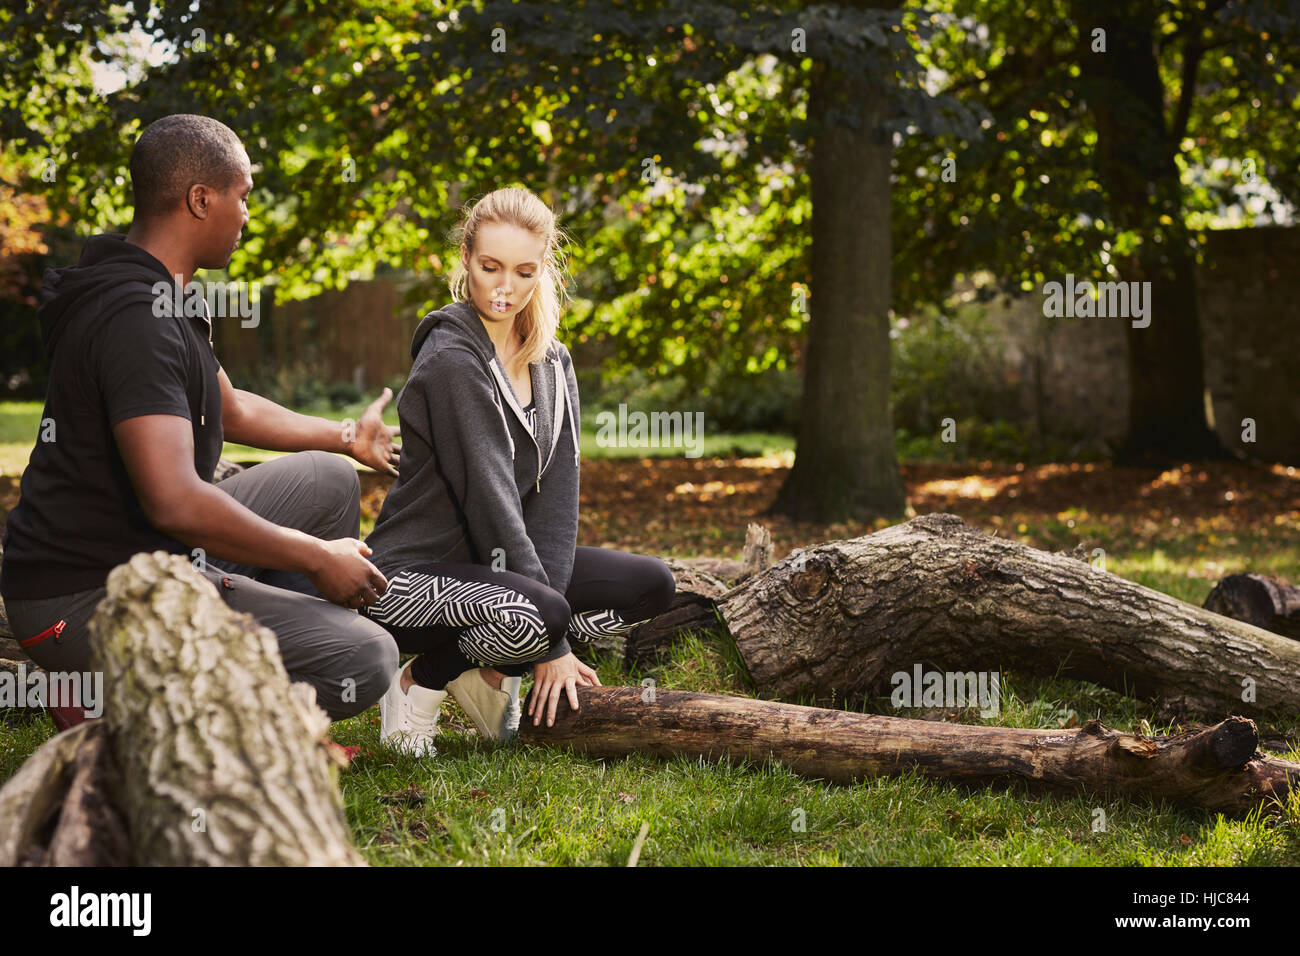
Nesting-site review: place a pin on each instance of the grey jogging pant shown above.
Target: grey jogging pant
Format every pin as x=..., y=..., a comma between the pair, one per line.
x=348, y=658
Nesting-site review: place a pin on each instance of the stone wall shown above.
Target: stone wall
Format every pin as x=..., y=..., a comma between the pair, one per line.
x=1073, y=373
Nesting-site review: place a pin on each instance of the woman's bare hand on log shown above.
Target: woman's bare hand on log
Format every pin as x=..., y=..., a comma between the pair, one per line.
x=550, y=678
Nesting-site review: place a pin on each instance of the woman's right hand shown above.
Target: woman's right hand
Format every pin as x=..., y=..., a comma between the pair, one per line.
x=550, y=678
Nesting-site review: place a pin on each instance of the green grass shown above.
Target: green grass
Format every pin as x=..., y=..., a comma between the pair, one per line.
x=522, y=805
x=483, y=803
x=20, y=424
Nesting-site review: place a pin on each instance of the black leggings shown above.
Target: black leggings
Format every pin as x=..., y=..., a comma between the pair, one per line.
x=462, y=616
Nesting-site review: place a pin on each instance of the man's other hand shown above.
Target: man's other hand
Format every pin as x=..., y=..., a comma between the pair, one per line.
x=373, y=445
x=343, y=575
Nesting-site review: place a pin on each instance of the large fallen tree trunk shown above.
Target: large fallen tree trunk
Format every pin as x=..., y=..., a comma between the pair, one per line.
x=1218, y=768
x=845, y=617
x=206, y=753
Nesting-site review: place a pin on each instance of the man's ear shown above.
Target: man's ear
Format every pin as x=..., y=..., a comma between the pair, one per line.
x=198, y=198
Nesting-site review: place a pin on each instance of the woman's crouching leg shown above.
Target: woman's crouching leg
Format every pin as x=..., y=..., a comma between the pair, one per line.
x=613, y=591
x=461, y=616
x=526, y=629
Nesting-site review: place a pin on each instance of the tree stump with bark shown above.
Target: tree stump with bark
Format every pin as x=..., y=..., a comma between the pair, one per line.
x=206, y=753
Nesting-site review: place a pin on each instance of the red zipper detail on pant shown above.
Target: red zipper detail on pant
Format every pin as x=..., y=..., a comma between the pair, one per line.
x=55, y=630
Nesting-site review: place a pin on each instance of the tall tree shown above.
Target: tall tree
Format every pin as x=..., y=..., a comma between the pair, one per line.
x=845, y=464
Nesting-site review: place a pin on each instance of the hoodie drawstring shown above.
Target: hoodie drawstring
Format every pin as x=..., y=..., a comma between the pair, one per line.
x=496, y=400
x=573, y=427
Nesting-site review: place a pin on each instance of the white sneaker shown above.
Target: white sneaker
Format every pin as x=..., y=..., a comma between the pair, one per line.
x=511, y=686
x=408, y=720
x=495, y=712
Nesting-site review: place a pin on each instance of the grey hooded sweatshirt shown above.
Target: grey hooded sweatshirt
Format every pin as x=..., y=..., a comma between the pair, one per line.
x=475, y=486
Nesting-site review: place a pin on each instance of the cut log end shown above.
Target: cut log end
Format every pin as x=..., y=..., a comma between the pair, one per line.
x=226, y=769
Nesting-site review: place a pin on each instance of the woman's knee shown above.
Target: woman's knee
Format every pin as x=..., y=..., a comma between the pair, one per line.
x=528, y=627
x=555, y=612
x=656, y=586
x=661, y=588
x=550, y=621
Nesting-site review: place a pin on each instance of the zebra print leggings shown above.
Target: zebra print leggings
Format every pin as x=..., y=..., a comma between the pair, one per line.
x=461, y=616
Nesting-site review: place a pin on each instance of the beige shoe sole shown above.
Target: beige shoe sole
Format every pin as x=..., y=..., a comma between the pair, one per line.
x=486, y=706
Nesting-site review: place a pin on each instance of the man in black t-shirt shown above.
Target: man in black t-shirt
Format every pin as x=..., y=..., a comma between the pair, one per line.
x=135, y=415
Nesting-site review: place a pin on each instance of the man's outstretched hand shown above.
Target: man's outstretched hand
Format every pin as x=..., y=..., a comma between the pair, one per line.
x=373, y=445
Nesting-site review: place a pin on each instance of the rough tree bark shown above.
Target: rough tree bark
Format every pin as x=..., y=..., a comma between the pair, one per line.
x=840, y=619
x=1218, y=768
x=845, y=616
x=206, y=754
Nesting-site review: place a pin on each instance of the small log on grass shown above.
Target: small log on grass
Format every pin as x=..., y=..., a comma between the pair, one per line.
x=845, y=616
x=1270, y=603
x=1217, y=768
x=206, y=753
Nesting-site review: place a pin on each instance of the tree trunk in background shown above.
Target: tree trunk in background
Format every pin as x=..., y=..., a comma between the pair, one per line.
x=1136, y=166
x=845, y=465
x=206, y=754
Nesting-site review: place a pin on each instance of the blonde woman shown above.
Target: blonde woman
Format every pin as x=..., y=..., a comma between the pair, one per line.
x=478, y=535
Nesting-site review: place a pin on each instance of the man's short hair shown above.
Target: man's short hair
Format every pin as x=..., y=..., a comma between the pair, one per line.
x=177, y=151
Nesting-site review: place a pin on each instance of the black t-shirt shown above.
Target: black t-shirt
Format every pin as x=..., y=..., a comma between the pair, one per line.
x=113, y=358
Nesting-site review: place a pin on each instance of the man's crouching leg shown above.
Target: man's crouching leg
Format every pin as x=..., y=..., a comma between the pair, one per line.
x=349, y=659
